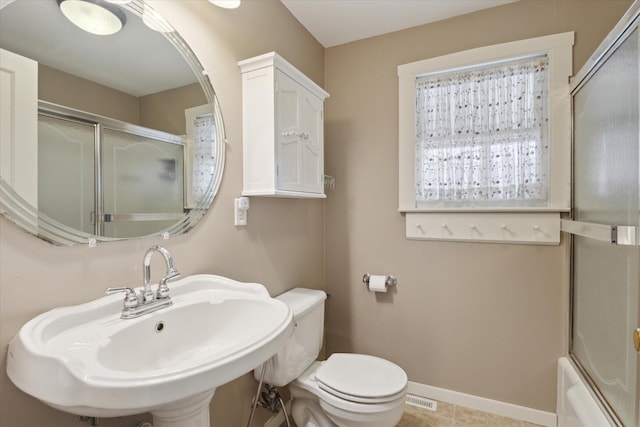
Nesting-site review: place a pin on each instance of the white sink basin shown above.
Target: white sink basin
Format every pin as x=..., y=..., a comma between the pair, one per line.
x=87, y=361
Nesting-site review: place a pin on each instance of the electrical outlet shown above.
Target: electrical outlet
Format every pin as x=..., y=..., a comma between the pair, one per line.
x=240, y=214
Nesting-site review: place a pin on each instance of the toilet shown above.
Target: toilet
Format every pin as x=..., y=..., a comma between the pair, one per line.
x=346, y=390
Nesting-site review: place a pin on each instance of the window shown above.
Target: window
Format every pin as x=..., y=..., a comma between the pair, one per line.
x=200, y=157
x=488, y=129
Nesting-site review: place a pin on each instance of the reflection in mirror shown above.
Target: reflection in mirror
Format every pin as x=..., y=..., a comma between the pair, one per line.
x=104, y=136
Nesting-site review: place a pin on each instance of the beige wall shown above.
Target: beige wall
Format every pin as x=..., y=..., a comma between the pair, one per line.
x=162, y=111
x=165, y=110
x=282, y=247
x=484, y=319
x=75, y=92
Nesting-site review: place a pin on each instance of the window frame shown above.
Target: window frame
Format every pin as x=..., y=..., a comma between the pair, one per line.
x=558, y=48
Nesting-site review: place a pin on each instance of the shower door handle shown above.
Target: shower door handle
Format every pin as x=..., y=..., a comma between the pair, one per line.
x=636, y=339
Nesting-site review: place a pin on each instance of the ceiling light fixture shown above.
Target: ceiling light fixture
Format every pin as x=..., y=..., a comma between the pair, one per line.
x=93, y=16
x=227, y=4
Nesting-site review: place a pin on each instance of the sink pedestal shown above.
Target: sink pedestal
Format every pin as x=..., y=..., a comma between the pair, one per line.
x=190, y=412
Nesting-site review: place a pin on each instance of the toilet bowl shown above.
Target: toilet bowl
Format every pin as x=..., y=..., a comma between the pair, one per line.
x=346, y=390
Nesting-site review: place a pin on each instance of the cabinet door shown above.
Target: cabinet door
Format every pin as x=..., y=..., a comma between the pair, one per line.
x=289, y=96
x=313, y=144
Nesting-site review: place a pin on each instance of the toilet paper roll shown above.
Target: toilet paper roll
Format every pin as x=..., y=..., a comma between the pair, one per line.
x=377, y=283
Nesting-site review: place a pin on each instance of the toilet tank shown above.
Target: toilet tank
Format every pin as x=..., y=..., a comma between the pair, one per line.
x=303, y=348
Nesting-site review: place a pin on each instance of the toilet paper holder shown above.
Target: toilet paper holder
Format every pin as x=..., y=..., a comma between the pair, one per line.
x=388, y=281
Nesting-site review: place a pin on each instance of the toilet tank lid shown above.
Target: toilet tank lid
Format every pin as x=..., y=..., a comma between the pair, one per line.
x=302, y=300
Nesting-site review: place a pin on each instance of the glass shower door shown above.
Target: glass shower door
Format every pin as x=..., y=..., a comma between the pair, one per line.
x=606, y=271
x=143, y=183
x=66, y=171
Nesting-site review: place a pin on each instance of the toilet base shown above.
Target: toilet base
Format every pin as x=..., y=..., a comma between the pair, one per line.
x=344, y=418
x=306, y=412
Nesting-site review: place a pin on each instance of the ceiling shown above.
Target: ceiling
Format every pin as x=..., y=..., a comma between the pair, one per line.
x=37, y=29
x=136, y=60
x=335, y=22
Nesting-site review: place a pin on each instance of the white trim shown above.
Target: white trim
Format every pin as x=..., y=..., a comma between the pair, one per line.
x=487, y=54
x=522, y=413
x=496, y=210
x=558, y=47
x=272, y=59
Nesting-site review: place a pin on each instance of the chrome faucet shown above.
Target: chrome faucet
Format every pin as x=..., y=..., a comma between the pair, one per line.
x=163, y=289
x=148, y=301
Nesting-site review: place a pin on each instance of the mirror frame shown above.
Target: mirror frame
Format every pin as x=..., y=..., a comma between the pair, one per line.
x=21, y=214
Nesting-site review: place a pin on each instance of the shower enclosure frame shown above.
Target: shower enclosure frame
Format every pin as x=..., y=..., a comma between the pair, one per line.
x=623, y=235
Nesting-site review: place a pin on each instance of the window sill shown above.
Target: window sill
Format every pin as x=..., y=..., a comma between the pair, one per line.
x=473, y=210
x=532, y=227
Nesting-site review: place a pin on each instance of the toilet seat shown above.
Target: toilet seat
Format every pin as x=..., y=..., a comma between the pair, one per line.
x=307, y=386
x=361, y=378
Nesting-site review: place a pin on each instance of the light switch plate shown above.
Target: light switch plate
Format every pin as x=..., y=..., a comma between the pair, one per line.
x=240, y=214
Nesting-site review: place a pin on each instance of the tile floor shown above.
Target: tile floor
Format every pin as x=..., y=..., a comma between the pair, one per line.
x=449, y=415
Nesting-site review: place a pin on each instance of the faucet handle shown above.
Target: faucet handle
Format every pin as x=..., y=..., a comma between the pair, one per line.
x=131, y=299
x=163, y=289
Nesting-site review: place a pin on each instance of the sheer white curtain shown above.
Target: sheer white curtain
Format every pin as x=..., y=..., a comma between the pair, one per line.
x=204, y=162
x=481, y=135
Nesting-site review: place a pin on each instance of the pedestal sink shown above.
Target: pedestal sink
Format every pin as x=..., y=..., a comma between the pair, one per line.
x=86, y=360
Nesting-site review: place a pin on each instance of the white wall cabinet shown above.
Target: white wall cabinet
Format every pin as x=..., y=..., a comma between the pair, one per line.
x=283, y=130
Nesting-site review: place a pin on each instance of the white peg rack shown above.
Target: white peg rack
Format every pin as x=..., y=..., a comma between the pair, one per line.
x=521, y=228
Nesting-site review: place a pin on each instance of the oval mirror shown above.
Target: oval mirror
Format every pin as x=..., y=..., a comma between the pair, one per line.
x=105, y=133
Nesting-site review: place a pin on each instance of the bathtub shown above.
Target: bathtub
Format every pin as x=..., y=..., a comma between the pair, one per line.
x=576, y=406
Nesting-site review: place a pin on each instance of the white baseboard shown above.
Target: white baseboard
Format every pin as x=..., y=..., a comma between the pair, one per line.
x=522, y=413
